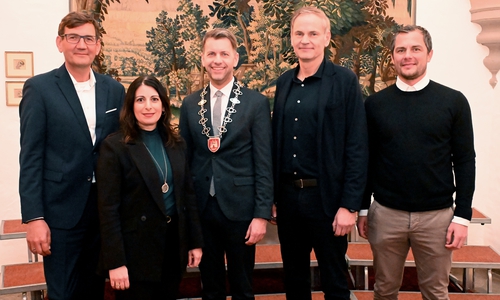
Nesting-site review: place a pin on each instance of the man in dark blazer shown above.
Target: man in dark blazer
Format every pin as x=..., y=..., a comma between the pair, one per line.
x=232, y=168
x=65, y=114
x=320, y=160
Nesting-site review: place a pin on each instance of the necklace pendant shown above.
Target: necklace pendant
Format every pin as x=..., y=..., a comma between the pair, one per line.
x=213, y=143
x=165, y=188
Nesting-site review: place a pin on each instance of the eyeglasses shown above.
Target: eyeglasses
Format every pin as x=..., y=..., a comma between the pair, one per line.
x=75, y=38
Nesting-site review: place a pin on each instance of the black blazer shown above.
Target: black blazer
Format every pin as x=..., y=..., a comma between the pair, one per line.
x=57, y=159
x=132, y=212
x=242, y=167
x=341, y=137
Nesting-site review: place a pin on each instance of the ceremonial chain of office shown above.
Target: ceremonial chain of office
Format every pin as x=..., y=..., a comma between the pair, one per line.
x=230, y=110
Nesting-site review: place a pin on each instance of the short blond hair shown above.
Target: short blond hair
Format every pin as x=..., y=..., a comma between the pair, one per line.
x=220, y=33
x=311, y=10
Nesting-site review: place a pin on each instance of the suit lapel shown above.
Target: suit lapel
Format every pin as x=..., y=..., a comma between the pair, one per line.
x=68, y=90
x=176, y=162
x=101, y=90
x=325, y=95
x=224, y=110
x=147, y=168
x=208, y=106
x=280, y=107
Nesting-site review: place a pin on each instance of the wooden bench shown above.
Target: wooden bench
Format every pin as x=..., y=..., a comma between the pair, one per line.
x=15, y=229
x=468, y=257
x=22, y=278
x=368, y=295
x=12, y=229
x=315, y=296
x=268, y=256
x=479, y=218
x=280, y=296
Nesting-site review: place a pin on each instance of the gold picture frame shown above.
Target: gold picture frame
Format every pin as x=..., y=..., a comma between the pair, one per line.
x=14, y=90
x=18, y=64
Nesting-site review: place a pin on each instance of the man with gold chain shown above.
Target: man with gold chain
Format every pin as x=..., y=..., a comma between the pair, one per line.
x=227, y=128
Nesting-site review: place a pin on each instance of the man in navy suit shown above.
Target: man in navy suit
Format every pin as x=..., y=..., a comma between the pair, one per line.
x=227, y=129
x=320, y=160
x=65, y=114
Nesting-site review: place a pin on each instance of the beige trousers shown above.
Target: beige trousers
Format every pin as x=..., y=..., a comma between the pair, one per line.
x=392, y=232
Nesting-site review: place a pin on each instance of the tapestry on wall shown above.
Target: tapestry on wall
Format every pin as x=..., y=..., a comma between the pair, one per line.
x=163, y=38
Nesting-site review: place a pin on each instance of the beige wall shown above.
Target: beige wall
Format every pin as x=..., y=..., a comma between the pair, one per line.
x=31, y=25
x=27, y=25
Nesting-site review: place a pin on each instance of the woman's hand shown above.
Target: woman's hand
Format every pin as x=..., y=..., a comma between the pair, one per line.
x=119, y=278
x=194, y=257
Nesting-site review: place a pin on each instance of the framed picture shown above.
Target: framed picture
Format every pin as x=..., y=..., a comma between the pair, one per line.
x=18, y=64
x=14, y=91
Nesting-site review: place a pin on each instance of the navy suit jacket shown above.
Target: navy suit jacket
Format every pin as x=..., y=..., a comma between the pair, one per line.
x=341, y=139
x=132, y=211
x=57, y=158
x=242, y=167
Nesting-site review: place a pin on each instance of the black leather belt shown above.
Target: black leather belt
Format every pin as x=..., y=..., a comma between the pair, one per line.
x=303, y=183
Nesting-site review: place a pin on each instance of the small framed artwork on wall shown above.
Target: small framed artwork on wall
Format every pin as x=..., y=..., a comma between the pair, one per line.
x=18, y=64
x=14, y=91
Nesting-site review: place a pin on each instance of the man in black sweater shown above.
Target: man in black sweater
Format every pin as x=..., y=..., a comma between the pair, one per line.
x=421, y=152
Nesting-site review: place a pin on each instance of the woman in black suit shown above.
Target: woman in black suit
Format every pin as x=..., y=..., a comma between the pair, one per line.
x=149, y=220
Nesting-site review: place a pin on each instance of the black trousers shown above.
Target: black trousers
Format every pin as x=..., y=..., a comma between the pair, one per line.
x=70, y=270
x=303, y=226
x=168, y=287
x=223, y=236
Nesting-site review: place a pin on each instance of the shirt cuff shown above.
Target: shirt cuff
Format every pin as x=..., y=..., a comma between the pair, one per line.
x=363, y=213
x=34, y=219
x=460, y=221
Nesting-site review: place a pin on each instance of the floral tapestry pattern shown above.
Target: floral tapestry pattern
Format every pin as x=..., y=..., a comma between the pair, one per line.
x=163, y=38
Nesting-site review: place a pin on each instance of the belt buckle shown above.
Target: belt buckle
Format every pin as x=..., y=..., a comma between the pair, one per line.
x=301, y=183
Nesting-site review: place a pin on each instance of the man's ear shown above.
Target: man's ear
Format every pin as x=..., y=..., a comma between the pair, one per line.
x=59, y=40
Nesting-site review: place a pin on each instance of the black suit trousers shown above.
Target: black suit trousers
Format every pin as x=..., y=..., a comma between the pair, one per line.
x=71, y=269
x=223, y=236
x=303, y=226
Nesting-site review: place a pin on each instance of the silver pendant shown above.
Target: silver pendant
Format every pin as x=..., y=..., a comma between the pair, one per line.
x=164, y=188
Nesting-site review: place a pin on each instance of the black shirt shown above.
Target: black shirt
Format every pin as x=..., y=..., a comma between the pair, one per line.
x=300, y=122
